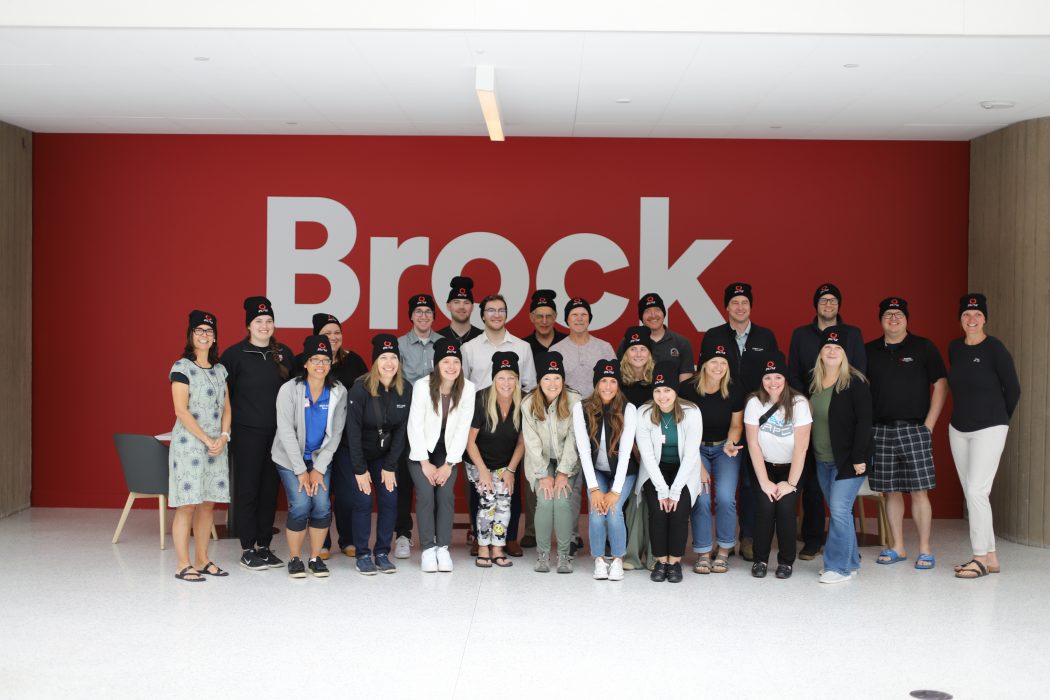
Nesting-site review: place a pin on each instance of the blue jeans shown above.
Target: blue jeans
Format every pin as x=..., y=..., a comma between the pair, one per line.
x=840, y=551
x=612, y=523
x=302, y=509
x=725, y=471
x=361, y=512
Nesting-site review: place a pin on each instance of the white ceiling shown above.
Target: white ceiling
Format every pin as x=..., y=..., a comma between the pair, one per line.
x=550, y=83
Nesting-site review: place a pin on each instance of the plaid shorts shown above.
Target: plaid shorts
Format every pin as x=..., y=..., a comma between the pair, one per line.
x=903, y=459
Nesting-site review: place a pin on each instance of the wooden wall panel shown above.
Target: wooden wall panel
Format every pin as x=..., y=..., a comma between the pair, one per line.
x=16, y=250
x=1009, y=260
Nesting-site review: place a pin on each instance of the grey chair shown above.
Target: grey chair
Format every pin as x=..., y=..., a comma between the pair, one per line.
x=144, y=460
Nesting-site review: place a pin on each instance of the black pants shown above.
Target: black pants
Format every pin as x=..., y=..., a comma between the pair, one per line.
x=255, y=485
x=405, y=489
x=515, y=507
x=812, y=505
x=343, y=478
x=667, y=531
x=775, y=516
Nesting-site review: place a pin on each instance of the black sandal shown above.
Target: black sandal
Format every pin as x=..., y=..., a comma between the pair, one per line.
x=502, y=558
x=218, y=572
x=486, y=565
x=187, y=572
x=966, y=571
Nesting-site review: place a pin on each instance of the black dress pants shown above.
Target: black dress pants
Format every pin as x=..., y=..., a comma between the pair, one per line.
x=255, y=484
x=775, y=516
x=405, y=489
x=812, y=505
x=667, y=531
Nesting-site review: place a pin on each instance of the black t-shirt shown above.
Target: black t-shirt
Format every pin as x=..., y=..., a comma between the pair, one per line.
x=985, y=389
x=538, y=347
x=447, y=332
x=347, y=371
x=900, y=376
x=716, y=411
x=254, y=380
x=638, y=393
x=496, y=447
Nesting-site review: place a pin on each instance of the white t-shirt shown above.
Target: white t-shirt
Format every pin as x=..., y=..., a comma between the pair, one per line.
x=776, y=437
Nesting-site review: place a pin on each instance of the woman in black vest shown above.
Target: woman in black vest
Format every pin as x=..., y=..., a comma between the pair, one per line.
x=605, y=424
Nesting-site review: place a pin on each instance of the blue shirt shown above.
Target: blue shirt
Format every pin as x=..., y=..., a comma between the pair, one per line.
x=316, y=419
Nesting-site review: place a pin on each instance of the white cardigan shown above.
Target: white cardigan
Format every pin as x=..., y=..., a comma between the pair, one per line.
x=623, y=455
x=424, y=423
x=650, y=444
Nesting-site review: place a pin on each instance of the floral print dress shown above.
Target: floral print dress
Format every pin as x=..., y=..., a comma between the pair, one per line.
x=194, y=476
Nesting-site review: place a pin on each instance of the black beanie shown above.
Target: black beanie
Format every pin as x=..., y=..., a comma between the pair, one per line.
x=322, y=320
x=578, y=303
x=606, y=368
x=826, y=288
x=316, y=345
x=710, y=349
x=648, y=301
x=549, y=363
x=637, y=335
x=774, y=363
x=738, y=289
x=895, y=304
x=833, y=335
x=383, y=343
x=543, y=297
x=203, y=318
x=417, y=300
x=447, y=347
x=461, y=288
x=973, y=301
x=255, y=307
x=504, y=361
x=665, y=374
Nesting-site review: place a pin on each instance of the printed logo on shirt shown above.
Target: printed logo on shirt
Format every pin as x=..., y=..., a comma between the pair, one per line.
x=400, y=405
x=907, y=359
x=756, y=349
x=674, y=352
x=777, y=427
x=976, y=359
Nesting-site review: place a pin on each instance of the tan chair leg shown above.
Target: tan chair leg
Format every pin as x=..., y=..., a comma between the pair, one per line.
x=214, y=532
x=860, y=509
x=163, y=518
x=124, y=517
x=884, y=524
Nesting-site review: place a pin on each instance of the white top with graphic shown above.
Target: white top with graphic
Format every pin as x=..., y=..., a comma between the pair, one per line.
x=776, y=437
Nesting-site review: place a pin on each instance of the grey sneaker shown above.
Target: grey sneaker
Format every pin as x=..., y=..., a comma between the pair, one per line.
x=384, y=564
x=402, y=548
x=543, y=562
x=564, y=564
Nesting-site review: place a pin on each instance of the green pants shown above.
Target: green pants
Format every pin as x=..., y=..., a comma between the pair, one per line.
x=555, y=514
x=636, y=514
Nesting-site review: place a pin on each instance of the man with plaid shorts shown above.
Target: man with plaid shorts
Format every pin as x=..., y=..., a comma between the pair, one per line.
x=901, y=368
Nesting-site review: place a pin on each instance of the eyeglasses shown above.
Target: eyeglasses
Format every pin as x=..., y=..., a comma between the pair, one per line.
x=893, y=315
x=495, y=312
x=422, y=312
x=320, y=362
x=829, y=302
x=204, y=332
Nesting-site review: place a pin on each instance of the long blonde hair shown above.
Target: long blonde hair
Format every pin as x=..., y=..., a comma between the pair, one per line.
x=372, y=380
x=846, y=375
x=723, y=386
x=539, y=404
x=627, y=371
x=490, y=397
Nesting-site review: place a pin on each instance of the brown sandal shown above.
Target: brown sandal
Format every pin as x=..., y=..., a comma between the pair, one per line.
x=719, y=565
x=703, y=564
x=967, y=572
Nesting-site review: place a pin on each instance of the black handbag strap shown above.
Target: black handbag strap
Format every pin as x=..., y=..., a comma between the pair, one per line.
x=767, y=415
x=379, y=410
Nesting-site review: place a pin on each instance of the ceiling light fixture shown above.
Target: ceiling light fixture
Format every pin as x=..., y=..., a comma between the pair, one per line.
x=997, y=104
x=485, y=85
x=624, y=101
x=851, y=65
x=201, y=58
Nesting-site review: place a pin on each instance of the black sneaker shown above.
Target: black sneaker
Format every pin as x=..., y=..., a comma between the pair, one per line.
x=758, y=569
x=659, y=574
x=674, y=573
x=268, y=557
x=810, y=551
x=250, y=560
x=296, y=568
x=784, y=571
x=317, y=567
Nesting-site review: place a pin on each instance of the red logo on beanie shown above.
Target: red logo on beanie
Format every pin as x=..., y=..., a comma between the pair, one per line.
x=609, y=368
x=658, y=378
x=208, y=319
x=387, y=344
x=451, y=348
x=895, y=302
x=577, y=301
x=421, y=299
x=973, y=301
x=262, y=307
x=833, y=336
x=824, y=289
x=738, y=288
x=650, y=300
x=322, y=346
x=720, y=349
x=771, y=365
x=543, y=300
x=463, y=291
x=504, y=363
x=332, y=319
x=553, y=364
x=635, y=336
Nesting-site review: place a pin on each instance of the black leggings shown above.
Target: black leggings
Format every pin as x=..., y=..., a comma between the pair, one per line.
x=255, y=483
x=405, y=489
x=667, y=531
x=775, y=516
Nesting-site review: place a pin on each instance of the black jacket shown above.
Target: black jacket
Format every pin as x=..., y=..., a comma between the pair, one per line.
x=254, y=380
x=805, y=347
x=849, y=422
x=746, y=367
x=362, y=424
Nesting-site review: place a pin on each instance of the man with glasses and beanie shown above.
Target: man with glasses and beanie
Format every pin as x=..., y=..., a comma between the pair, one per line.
x=802, y=357
x=543, y=312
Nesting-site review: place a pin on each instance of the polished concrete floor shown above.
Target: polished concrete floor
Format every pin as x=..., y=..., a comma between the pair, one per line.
x=83, y=618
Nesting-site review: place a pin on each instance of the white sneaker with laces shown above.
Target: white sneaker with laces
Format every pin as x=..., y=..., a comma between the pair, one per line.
x=429, y=562
x=601, y=569
x=833, y=577
x=444, y=559
x=616, y=570
x=402, y=548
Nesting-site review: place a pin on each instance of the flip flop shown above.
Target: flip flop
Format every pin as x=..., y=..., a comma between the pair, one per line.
x=925, y=561
x=207, y=570
x=188, y=571
x=487, y=565
x=891, y=557
x=505, y=561
x=967, y=572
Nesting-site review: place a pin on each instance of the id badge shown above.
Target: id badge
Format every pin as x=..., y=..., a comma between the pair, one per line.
x=663, y=439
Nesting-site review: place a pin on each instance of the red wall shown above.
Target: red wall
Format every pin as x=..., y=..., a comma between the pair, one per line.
x=131, y=232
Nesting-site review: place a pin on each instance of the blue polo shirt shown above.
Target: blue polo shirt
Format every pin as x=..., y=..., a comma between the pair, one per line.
x=316, y=419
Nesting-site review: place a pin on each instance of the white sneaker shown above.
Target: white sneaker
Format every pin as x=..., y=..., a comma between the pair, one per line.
x=616, y=570
x=444, y=559
x=601, y=569
x=429, y=562
x=402, y=548
x=833, y=577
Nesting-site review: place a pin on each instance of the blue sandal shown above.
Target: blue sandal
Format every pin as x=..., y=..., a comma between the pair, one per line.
x=925, y=561
x=891, y=557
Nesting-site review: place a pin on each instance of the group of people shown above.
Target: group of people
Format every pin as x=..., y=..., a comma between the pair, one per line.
x=727, y=448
